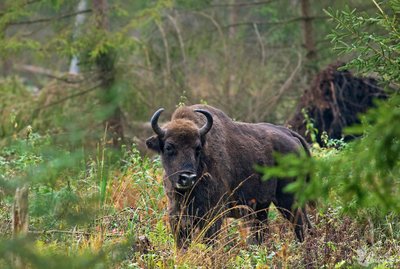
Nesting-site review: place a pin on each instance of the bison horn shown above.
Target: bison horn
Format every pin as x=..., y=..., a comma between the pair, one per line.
x=203, y=130
x=154, y=123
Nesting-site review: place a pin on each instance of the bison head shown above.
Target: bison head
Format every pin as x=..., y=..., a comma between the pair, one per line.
x=180, y=144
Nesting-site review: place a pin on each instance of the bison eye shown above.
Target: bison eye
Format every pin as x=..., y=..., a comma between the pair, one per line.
x=169, y=149
x=198, y=150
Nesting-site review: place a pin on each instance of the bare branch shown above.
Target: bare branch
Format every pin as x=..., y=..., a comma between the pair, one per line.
x=262, y=48
x=244, y=4
x=38, y=70
x=218, y=27
x=166, y=47
x=285, y=86
x=71, y=232
x=64, y=16
x=69, y=97
x=20, y=6
x=179, y=34
x=296, y=19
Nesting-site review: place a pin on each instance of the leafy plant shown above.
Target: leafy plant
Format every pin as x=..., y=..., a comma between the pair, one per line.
x=310, y=129
x=376, y=50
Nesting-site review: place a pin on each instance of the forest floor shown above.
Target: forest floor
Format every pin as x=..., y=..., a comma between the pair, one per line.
x=127, y=227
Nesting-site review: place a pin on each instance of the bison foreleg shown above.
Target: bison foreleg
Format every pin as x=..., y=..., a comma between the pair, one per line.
x=182, y=231
x=295, y=215
x=211, y=233
x=260, y=227
x=258, y=220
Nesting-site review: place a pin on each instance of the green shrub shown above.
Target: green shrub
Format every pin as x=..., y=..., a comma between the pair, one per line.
x=366, y=173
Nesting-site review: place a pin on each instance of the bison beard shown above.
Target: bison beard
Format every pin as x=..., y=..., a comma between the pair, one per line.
x=209, y=164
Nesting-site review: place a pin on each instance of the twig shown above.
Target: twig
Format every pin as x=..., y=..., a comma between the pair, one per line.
x=180, y=39
x=126, y=209
x=218, y=27
x=70, y=232
x=68, y=97
x=261, y=43
x=21, y=6
x=284, y=87
x=48, y=73
x=73, y=14
x=296, y=19
x=244, y=4
x=166, y=47
x=60, y=232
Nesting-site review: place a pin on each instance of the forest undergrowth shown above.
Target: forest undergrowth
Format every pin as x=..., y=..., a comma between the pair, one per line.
x=113, y=214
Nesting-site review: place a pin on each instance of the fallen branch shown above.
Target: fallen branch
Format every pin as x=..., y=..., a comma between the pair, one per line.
x=71, y=232
x=38, y=70
x=68, y=97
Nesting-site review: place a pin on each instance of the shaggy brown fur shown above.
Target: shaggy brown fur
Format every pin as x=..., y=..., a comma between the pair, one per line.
x=223, y=161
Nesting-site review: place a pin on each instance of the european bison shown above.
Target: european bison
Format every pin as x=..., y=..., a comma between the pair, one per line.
x=209, y=162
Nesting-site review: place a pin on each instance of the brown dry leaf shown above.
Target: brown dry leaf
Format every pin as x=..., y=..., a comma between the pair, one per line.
x=244, y=232
x=283, y=253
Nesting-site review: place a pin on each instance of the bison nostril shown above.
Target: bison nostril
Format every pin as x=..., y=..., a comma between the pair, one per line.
x=192, y=176
x=186, y=179
x=183, y=179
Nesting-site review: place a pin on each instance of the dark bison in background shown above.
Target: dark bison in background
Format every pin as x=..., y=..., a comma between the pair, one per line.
x=334, y=101
x=209, y=162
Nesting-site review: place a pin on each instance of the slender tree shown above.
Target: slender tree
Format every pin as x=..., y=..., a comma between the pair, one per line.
x=308, y=32
x=105, y=63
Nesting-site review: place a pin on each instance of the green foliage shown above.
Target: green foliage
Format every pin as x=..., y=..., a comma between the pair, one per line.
x=183, y=100
x=66, y=196
x=108, y=237
x=37, y=255
x=192, y=4
x=363, y=175
x=376, y=51
x=366, y=173
x=15, y=106
x=45, y=34
x=310, y=129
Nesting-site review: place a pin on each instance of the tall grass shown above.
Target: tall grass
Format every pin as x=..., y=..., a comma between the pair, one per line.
x=131, y=230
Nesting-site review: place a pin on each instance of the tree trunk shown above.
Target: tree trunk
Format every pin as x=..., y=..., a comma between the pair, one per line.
x=79, y=20
x=20, y=219
x=308, y=35
x=233, y=16
x=6, y=63
x=105, y=63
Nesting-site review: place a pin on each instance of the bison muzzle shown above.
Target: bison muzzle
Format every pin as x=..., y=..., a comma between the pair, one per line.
x=209, y=162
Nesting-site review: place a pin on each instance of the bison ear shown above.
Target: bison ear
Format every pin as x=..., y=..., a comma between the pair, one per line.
x=153, y=143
